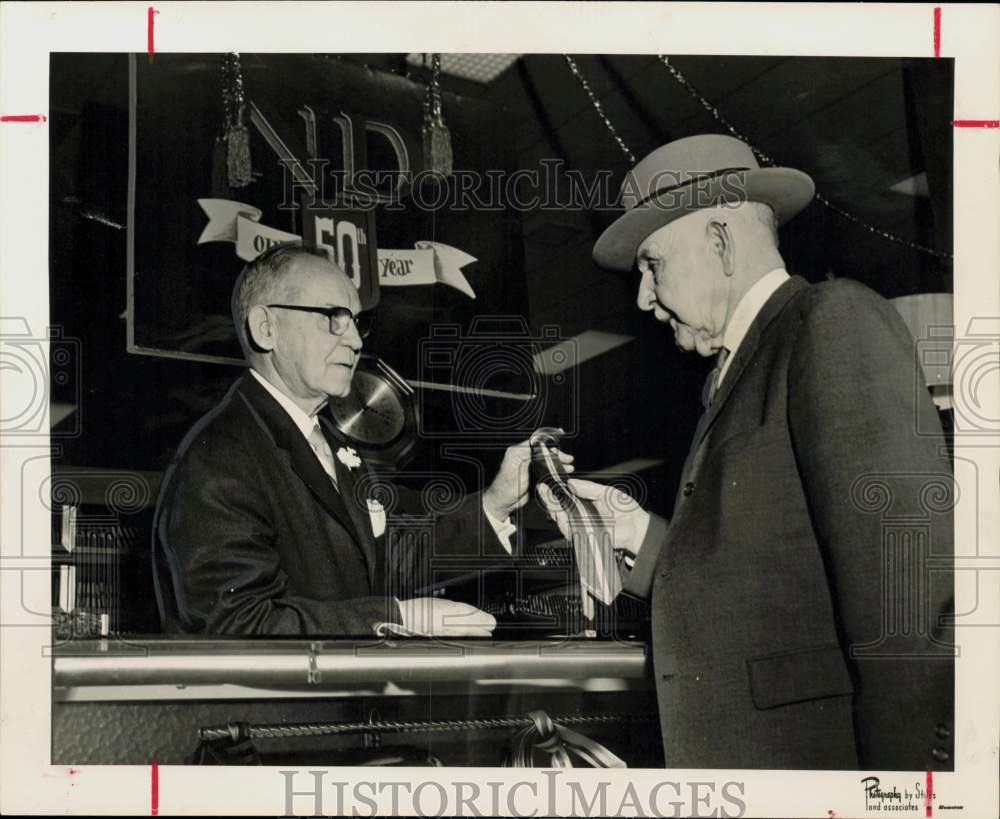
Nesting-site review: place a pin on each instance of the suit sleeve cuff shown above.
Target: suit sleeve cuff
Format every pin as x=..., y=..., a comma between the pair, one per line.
x=503, y=528
x=640, y=579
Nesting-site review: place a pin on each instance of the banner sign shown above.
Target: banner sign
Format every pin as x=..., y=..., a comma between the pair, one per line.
x=335, y=156
x=427, y=263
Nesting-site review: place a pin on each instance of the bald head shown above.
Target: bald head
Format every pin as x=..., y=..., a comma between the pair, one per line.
x=269, y=279
x=286, y=305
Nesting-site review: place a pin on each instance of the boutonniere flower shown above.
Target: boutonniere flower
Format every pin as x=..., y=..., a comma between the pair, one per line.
x=348, y=457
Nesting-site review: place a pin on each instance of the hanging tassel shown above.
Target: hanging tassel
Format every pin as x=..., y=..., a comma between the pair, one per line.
x=238, y=156
x=437, y=147
x=235, y=140
x=436, y=136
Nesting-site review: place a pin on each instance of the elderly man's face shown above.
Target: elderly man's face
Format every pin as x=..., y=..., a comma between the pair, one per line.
x=683, y=283
x=313, y=362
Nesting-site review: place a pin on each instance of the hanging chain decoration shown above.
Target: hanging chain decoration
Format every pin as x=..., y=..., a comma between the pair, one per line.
x=437, y=137
x=597, y=107
x=235, y=137
x=850, y=217
x=763, y=158
x=766, y=160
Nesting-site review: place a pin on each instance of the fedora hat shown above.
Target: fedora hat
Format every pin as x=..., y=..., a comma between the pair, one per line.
x=692, y=173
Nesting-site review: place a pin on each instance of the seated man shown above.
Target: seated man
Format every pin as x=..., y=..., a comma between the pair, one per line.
x=263, y=524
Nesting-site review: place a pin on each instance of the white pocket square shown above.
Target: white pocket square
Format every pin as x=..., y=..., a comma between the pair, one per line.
x=376, y=511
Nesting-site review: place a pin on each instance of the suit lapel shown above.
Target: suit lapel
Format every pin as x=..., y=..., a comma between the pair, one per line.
x=745, y=352
x=346, y=482
x=303, y=460
x=741, y=358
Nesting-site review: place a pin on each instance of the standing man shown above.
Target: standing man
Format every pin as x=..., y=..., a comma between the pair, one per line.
x=266, y=525
x=789, y=630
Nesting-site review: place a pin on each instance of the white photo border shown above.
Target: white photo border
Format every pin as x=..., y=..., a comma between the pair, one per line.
x=29, y=32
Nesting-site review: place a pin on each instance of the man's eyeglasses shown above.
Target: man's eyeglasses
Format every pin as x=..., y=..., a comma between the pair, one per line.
x=340, y=317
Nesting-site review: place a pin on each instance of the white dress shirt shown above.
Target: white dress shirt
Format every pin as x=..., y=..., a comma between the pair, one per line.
x=306, y=423
x=746, y=311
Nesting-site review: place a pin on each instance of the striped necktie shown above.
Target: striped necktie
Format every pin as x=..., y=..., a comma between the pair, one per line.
x=714, y=379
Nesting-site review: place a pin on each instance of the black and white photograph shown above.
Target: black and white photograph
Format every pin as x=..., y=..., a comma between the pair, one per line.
x=626, y=414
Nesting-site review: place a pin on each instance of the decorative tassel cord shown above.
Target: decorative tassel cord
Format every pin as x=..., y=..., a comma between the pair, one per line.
x=243, y=730
x=438, y=155
x=236, y=137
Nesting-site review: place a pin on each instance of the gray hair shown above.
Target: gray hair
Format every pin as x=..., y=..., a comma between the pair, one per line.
x=263, y=278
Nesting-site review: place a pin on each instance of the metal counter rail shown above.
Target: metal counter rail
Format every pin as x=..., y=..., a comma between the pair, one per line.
x=319, y=663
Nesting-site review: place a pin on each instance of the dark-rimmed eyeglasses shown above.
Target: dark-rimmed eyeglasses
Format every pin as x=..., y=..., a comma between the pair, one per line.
x=340, y=317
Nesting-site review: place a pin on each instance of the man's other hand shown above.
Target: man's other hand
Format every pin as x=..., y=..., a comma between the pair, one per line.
x=436, y=617
x=615, y=507
x=509, y=490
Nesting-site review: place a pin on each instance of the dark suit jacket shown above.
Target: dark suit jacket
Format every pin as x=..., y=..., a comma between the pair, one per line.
x=798, y=589
x=251, y=537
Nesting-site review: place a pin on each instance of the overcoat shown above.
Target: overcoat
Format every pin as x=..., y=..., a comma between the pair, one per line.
x=801, y=588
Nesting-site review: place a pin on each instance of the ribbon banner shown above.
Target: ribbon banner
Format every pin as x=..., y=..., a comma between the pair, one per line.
x=427, y=263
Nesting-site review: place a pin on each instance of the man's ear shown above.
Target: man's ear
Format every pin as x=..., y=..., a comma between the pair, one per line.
x=720, y=239
x=260, y=329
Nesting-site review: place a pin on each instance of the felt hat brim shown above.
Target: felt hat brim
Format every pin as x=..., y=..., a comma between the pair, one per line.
x=786, y=190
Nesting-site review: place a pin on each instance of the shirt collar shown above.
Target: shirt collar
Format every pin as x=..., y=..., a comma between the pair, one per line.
x=749, y=306
x=305, y=422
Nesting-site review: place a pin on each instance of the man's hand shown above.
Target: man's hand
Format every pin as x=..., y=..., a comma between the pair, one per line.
x=615, y=506
x=436, y=617
x=509, y=490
